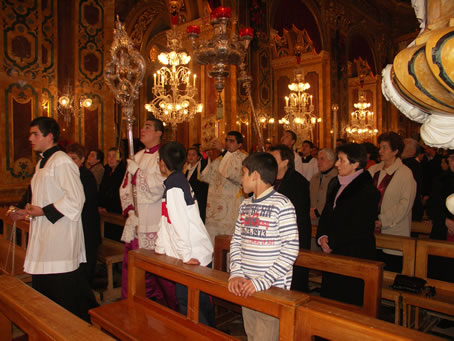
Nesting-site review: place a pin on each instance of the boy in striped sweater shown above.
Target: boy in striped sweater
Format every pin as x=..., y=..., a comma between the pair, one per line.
x=265, y=243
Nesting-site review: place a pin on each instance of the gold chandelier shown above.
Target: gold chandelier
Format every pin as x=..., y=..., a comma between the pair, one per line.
x=362, y=122
x=223, y=49
x=299, y=109
x=174, y=89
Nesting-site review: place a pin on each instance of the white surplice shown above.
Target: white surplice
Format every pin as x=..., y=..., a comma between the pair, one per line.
x=58, y=247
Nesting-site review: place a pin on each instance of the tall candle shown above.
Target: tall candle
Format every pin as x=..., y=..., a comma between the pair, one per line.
x=194, y=79
x=154, y=76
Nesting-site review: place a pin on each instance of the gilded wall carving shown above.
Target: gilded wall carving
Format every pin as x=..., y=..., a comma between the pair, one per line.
x=28, y=76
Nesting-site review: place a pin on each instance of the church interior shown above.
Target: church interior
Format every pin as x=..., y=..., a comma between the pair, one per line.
x=340, y=47
x=326, y=69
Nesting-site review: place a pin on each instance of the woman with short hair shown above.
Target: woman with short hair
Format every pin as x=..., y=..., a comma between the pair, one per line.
x=347, y=223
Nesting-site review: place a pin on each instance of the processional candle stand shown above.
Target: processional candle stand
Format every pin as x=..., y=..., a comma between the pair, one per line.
x=124, y=76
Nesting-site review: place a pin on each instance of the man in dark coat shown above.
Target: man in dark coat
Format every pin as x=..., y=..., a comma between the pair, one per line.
x=90, y=214
x=109, y=196
x=295, y=187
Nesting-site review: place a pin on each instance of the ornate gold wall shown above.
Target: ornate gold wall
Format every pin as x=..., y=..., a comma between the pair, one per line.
x=48, y=46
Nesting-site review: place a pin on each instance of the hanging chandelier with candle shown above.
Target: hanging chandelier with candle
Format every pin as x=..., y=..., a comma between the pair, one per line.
x=225, y=48
x=174, y=90
x=299, y=109
x=362, y=121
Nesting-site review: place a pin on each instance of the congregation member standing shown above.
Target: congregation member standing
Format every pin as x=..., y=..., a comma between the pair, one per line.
x=397, y=188
x=264, y=246
x=109, y=196
x=90, y=214
x=142, y=223
x=194, y=166
x=442, y=221
x=310, y=167
x=95, y=163
x=319, y=183
x=289, y=139
x=295, y=187
x=411, y=150
x=347, y=223
x=55, y=247
x=224, y=193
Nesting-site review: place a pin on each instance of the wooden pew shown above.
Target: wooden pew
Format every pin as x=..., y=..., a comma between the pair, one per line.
x=443, y=301
x=408, y=247
x=6, y=248
x=319, y=319
x=370, y=272
x=109, y=253
x=421, y=228
x=39, y=317
x=119, y=318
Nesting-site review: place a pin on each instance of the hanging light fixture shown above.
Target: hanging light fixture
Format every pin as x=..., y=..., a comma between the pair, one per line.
x=174, y=90
x=299, y=109
x=362, y=122
x=223, y=49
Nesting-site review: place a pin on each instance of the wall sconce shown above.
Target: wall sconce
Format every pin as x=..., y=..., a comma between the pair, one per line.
x=67, y=106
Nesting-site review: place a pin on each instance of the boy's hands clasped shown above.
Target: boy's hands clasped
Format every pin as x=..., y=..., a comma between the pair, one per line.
x=241, y=286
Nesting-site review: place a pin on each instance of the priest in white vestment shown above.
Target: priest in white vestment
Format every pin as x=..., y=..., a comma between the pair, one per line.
x=224, y=193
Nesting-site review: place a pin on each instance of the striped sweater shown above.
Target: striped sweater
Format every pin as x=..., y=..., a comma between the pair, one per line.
x=265, y=243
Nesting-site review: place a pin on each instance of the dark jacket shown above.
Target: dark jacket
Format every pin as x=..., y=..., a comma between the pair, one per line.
x=295, y=187
x=90, y=223
x=416, y=168
x=200, y=188
x=350, y=225
x=442, y=187
x=90, y=214
x=350, y=230
x=109, y=197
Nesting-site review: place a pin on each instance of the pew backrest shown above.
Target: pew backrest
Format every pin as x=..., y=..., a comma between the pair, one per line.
x=323, y=320
x=112, y=218
x=370, y=272
x=426, y=247
x=276, y=302
x=405, y=244
x=39, y=317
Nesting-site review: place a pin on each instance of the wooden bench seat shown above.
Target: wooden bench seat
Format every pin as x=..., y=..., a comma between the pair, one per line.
x=319, y=319
x=443, y=301
x=109, y=253
x=408, y=247
x=139, y=319
x=370, y=272
x=39, y=317
x=275, y=302
x=6, y=247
